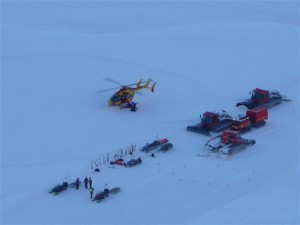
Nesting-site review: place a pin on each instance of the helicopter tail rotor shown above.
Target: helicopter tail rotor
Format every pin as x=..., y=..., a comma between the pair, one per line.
x=152, y=88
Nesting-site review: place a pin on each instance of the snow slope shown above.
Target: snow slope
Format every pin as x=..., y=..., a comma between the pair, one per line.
x=55, y=56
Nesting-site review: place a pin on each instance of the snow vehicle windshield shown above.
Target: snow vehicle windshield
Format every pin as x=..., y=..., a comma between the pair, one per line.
x=207, y=120
x=258, y=96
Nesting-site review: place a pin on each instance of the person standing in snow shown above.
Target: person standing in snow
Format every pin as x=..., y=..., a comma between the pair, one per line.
x=77, y=183
x=86, y=181
x=91, y=192
x=133, y=107
x=106, y=190
x=90, y=182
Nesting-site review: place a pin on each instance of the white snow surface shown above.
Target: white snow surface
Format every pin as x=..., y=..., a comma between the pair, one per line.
x=56, y=55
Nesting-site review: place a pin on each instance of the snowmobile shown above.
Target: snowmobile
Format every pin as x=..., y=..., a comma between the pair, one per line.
x=133, y=162
x=99, y=197
x=59, y=188
x=118, y=162
x=165, y=147
x=226, y=144
x=264, y=98
x=211, y=121
x=155, y=144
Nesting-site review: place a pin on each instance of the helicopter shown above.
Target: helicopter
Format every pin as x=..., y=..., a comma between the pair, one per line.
x=123, y=97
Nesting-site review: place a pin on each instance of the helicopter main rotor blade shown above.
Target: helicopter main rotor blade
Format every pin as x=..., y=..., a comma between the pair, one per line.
x=108, y=89
x=113, y=81
x=116, y=82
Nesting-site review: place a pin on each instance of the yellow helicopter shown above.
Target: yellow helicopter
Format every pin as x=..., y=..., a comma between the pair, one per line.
x=125, y=94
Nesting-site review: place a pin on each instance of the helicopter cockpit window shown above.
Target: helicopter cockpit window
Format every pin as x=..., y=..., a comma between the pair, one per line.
x=115, y=98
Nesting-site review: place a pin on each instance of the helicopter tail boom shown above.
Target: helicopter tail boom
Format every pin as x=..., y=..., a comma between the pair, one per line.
x=147, y=83
x=139, y=86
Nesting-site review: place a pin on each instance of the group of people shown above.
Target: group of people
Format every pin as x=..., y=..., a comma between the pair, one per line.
x=131, y=105
x=88, y=184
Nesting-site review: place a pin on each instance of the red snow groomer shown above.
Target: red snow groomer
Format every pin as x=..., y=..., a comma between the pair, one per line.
x=264, y=98
x=211, y=121
x=254, y=118
x=226, y=144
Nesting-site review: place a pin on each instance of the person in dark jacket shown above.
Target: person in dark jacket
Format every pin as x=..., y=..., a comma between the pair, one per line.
x=77, y=183
x=86, y=181
x=106, y=190
x=65, y=185
x=130, y=105
x=90, y=182
x=133, y=106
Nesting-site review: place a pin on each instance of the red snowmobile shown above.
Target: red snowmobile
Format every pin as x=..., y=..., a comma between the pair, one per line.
x=106, y=193
x=118, y=162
